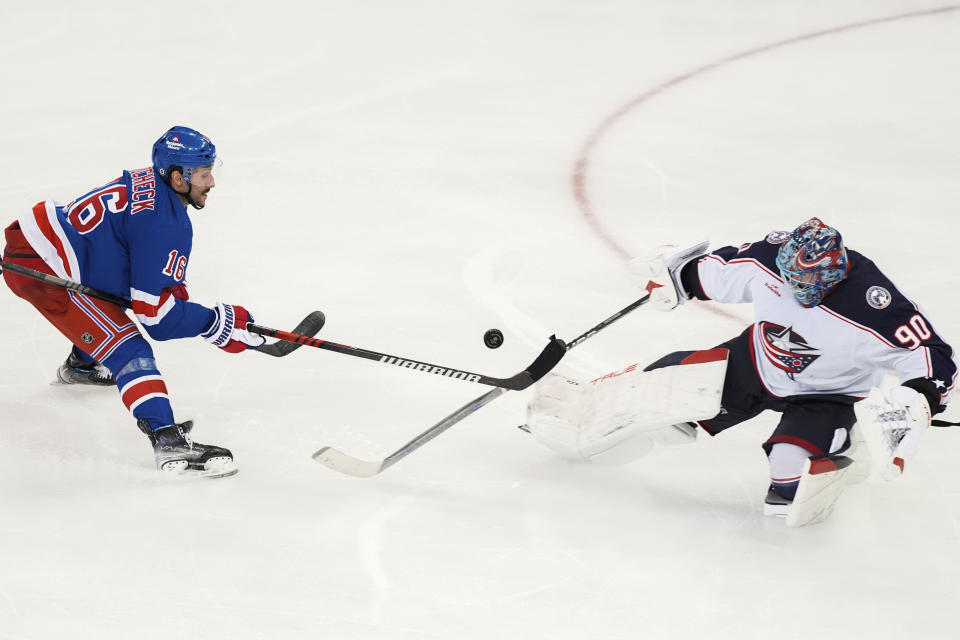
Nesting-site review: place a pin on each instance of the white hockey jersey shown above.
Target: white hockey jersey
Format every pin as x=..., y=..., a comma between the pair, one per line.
x=863, y=327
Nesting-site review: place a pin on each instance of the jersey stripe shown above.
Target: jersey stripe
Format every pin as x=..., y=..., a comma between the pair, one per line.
x=42, y=229
x=150, y=309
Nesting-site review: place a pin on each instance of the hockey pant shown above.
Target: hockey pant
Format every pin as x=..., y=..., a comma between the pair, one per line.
x=810, y=425
x=99, y=329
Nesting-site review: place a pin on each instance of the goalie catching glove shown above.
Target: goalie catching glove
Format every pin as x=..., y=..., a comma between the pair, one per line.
x=658, y=273
x=893, y=424
x=229, y=329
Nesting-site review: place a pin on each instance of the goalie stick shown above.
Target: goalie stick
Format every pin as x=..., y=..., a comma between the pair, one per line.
x=308, y=327
x=350, y=465
x=943, y=423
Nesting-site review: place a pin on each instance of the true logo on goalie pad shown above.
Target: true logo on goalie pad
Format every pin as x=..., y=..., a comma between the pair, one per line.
x=429, y=368
x=614, y=374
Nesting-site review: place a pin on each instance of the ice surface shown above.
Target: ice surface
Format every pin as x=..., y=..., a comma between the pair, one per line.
x=410, y=169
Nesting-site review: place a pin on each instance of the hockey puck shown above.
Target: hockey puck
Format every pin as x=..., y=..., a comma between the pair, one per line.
x=493, y=338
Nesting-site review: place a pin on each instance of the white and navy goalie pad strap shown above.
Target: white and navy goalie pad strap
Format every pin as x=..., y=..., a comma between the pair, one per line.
x=864, y=325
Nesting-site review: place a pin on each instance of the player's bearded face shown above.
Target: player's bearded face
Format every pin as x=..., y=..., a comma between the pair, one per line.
x=201, y=182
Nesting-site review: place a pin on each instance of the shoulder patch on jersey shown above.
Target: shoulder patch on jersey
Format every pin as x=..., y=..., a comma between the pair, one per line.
x=778, y=237
x=878, y=297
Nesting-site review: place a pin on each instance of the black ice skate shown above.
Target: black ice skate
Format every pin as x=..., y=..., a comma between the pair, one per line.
x=75, y=371
x=775, y=504
x=178, y=454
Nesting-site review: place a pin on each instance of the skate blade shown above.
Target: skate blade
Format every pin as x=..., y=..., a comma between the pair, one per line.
x=60, y=382
x=214, y=468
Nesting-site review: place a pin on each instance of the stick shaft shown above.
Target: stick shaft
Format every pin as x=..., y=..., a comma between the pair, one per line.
x=313, y=322
x=344, y=463
x=66, y=284
x=549, y=357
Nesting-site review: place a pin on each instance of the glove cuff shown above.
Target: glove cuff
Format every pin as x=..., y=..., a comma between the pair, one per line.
x=219, y=332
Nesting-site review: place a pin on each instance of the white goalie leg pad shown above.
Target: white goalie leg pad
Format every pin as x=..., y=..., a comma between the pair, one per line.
x=822, y=482
x=629, y=410
x=554, y=413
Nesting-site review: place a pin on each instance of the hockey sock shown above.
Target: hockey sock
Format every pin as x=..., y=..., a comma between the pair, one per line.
x=786, y=467
x=144, y=393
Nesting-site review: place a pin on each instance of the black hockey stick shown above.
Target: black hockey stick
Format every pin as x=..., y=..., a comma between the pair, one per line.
x=344, y=463
x=547, y=359
x=308, y=327
x=66, y=284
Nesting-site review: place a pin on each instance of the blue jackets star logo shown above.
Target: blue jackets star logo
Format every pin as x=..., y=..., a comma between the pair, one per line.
x=786, y=349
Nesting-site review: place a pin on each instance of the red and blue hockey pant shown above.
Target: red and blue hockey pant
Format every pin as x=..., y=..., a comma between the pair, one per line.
x=101, y=331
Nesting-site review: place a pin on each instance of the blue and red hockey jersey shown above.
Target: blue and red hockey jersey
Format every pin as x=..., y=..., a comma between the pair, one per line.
x=131, y=237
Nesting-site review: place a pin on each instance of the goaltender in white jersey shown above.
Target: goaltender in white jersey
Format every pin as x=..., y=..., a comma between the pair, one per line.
x=828, y=326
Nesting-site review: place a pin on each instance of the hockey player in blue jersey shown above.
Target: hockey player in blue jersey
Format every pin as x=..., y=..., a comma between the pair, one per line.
x=132, y=237
x=828, y=326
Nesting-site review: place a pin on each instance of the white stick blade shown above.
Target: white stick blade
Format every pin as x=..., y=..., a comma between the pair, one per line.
x=339, y=461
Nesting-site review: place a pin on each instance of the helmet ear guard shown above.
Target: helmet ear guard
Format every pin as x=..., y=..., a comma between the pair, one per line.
x=813, y=261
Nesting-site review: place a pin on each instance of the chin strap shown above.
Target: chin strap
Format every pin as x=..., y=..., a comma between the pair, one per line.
x=189, y=198
x=186, y=195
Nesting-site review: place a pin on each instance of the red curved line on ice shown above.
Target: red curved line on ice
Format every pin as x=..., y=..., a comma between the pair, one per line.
x=582, y=165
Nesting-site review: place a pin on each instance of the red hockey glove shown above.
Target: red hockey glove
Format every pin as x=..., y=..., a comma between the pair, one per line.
x=229, y=329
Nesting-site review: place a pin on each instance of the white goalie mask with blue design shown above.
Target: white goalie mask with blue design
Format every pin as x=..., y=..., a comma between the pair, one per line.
x=813, y=261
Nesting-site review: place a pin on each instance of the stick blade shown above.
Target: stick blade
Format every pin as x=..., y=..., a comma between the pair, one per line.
x=347, y=464
x=309, y=326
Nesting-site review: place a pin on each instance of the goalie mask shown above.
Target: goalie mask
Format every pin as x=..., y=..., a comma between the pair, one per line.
x=813, y=261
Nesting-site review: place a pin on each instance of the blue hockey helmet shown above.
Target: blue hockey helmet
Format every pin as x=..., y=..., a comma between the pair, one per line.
x=813, y=261
x=184, y=148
